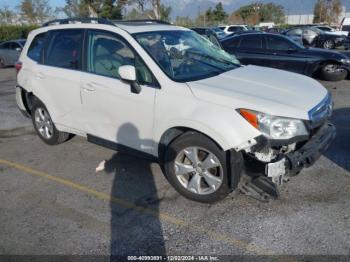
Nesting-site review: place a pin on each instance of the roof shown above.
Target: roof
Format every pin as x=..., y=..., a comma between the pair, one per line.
x=131, y=26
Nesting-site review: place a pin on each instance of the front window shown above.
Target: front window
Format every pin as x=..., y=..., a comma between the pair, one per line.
x=281, y=44
x=107, y=52
x=185, y=55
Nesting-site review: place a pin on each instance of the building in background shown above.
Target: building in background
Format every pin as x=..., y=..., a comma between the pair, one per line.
x=302, y=19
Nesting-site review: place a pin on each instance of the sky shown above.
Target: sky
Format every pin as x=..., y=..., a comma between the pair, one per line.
x=14, y=3
x=191, y=7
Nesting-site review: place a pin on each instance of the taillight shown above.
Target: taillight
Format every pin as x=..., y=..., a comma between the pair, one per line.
x=18, y=66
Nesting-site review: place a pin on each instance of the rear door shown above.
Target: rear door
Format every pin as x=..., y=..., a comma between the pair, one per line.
x=58, y=77
x=250, y=50
x=283, y=54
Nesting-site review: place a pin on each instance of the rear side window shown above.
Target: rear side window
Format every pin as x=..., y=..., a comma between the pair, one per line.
x=231, y=43
x=65, y=48
x=235, y=29
x=297, y=31
x=35, y=48
x=251, y=42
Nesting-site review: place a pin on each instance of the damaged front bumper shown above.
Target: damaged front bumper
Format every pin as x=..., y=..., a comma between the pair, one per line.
x=293, y=162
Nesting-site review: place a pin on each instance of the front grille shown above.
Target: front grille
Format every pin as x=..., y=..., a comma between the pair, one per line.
x=322, y=111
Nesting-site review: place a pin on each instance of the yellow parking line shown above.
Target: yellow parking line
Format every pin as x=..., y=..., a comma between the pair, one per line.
x=127, y=204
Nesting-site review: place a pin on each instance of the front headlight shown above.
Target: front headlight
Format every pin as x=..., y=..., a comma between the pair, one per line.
x=345, y=61
x=275, y=127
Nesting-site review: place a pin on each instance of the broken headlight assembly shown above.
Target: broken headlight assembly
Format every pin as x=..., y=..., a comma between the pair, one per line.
x=275, y=127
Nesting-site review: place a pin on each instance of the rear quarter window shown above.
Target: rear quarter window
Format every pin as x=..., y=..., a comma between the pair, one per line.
x=36, y=47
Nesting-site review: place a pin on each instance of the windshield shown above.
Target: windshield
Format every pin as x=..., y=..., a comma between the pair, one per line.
x=185, y=55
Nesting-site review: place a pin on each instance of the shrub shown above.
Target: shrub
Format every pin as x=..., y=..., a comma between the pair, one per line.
x=9, y=32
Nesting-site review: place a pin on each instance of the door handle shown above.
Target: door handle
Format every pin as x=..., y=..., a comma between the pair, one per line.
x=40, y=75
x=89, y=87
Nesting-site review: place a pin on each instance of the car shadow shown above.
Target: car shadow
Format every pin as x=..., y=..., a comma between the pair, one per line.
x=133, y=232
x=339, y=150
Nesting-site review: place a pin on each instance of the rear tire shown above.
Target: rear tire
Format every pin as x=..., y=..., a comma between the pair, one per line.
x=44, y=126
x=333, y=72
x=197, y=168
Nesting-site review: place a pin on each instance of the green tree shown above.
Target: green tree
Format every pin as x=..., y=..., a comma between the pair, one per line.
x=110, y=10
x=74, y=8
x=165, y=12
x=35, y=11
x=6, y=15
x=184, y=21
x=271, y=13
x=258, y=12
x=327, y=11
x=219, y=14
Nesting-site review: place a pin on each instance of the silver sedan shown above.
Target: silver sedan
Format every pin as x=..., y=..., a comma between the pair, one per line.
x=10, y=51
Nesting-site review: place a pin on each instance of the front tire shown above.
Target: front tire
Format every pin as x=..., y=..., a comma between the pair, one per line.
x=197, y=168
x=329, y=44
x=44, y=126
x=333, y=72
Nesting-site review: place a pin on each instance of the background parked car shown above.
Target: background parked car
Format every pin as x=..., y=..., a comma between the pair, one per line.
x=280, y=52
x=208, y=33
x=230, y=29
x=311, y=36
x=219, y=33
x=10, y=51
x=330, y=30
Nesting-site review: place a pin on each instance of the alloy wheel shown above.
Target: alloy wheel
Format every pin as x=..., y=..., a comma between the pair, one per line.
x=328, y=44
x=43, y=123
x=198, y=170
x=332, y=68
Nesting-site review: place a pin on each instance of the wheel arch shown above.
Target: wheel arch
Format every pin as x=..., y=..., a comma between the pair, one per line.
x=172, y=133
x=325, y=62
x=234, y=158
x=28, y=99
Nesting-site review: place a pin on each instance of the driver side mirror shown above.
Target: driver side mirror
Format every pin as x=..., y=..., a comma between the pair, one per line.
x=128, y=74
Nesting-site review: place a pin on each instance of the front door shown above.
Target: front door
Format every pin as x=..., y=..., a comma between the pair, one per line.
x=284, y=54
x=111, y=110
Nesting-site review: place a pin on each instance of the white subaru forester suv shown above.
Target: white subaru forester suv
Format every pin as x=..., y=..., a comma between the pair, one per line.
x=164, y=91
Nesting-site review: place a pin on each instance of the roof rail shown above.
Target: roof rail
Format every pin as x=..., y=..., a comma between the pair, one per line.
x=141, y=21
x=92, y=20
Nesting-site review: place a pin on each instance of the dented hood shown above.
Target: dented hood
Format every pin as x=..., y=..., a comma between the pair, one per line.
x=263, y=89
